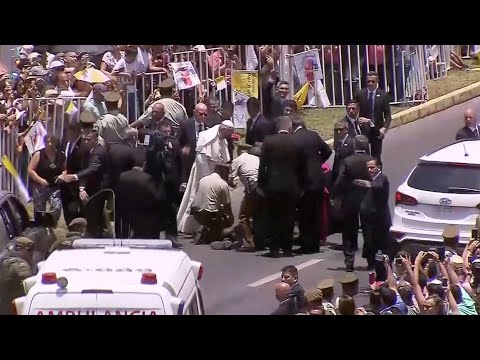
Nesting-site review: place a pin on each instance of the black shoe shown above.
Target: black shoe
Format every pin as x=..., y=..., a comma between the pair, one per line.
x=350, y=269
x=288, y=253
x=260, y=248
x=246, y=249
x=176, y=244
x=272, y=254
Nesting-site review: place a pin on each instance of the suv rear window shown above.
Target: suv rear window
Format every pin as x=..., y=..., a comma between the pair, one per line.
x=442, y=177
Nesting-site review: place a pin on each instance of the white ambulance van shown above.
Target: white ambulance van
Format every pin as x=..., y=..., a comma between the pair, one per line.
x=114, y=277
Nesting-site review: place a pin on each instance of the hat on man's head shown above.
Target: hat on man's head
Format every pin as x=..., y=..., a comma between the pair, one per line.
x=348, y=278
x=24, y=242
x=167, y=83
x=326, y=284
x=451, y=232
x=100, y=88
x=112, y=96
x=227, y=124
x=86, y=117
x=56, y=64
x=77, y=223
x=314, y=295
x=456, y=260
x=37, y=71
x=34, y=55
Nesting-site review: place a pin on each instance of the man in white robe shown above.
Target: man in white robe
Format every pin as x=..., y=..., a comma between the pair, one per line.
x=212, y=148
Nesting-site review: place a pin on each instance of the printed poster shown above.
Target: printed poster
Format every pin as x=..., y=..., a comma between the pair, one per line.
x=244, y=86
x=34, y=140
x=308, y=67
x=185, y=75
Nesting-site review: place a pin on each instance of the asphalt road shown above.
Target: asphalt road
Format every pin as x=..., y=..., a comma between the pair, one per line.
x=242, y=283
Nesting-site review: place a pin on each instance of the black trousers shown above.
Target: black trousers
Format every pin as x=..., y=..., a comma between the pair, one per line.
x=310, y=220
x=260, y=225
x=280, y=217
x=71, y=203
x=376, y=237
x=95, y=216
x=376, y=149
x=351, y=224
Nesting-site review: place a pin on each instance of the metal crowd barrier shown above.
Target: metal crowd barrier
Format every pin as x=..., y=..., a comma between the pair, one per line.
x=344, y=69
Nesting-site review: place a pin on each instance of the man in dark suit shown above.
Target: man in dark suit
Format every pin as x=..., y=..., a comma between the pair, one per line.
x=93, y=177
x=343, y=145
x=375, y=106
x=142, y=197
x=258, y=127
x=354, y=167
x=280, y=178
x=375, y=213
x=470, y=130
x=358, y=125
x=274, y=94
x=187, y=136
x=314, y=152
x=74, y=150
x=124, y=156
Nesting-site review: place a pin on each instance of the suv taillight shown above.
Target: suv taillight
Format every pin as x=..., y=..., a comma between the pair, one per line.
x=402, y=199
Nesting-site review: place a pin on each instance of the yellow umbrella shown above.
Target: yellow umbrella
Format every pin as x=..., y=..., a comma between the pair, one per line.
x=91, y=76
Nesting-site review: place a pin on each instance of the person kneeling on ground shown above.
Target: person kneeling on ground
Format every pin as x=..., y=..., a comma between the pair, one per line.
x=76, y=230
x=212, y=209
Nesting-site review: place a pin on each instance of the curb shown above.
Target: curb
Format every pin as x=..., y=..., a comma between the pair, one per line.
x=433, y=106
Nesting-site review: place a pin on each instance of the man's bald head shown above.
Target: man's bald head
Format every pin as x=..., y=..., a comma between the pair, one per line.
x=470, y=117
x=158, y=111
x=201, y=112
x=282, y=291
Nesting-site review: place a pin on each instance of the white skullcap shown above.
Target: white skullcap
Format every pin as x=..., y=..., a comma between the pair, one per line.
x=227, y=124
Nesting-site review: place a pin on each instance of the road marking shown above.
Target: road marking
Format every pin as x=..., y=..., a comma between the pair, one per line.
x=276, y=276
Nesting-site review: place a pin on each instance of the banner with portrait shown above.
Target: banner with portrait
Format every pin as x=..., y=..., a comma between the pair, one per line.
x=244, y=86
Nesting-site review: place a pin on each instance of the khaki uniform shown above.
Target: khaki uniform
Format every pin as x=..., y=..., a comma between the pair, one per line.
x=112, y=126
x=13, y=270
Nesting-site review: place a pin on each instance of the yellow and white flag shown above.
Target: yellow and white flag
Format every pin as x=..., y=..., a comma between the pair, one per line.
x=301, y=96
x=18, y=182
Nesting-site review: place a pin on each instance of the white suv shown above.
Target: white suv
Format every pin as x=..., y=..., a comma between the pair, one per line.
x=444, y=188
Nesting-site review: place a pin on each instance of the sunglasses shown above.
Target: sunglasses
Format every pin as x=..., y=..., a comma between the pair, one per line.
x=202, y=114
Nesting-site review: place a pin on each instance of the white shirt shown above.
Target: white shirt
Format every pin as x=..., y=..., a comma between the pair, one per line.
x=198, y=126
x=245, y=167
x=376, y=176
x=143, y=59
x=355, y=124
x=298, y=128
x=70, y=146
x=134, y=67
x=212, y=192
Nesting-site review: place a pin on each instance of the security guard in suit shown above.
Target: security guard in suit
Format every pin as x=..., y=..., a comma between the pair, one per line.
x=15, y=266
x=149, y=195
x=353, y=168
x=172, y=170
